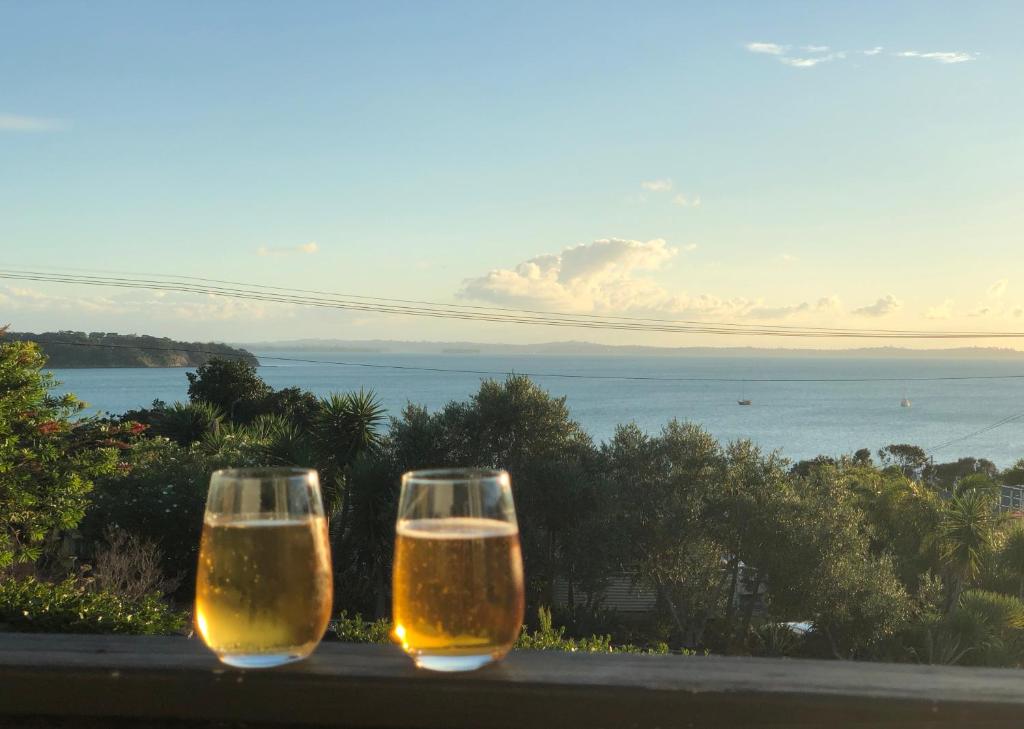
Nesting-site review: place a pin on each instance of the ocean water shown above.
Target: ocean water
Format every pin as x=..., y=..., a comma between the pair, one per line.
x=800, y=419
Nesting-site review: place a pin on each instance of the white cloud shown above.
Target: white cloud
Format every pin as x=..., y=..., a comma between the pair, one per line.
x=828, y=304
x=19, y=123
x=778, y=312
x=303, y=249
x=997, y=289
x=940, y=56
x=663, y=185
x=773, y=49
x=154, y=305
x=688, y=247
x=789, y=258
x=941, y=311
x=686, y=202
x=806, y=62
x=885, y=305
x=601, y=276
x=819, y=54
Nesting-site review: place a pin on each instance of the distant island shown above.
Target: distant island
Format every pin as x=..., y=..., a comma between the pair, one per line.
x=577, y=348
x=67, y=350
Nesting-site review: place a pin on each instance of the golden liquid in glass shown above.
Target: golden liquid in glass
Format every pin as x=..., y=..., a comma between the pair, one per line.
x=264, y=586
x=458, y=587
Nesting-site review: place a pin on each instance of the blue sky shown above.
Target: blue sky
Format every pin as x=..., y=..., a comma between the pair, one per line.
x=832, y=164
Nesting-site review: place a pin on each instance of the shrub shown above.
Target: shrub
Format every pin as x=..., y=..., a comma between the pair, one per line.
x=29, y=605
x=546, y=638
x=358, y=630
x=129, y=566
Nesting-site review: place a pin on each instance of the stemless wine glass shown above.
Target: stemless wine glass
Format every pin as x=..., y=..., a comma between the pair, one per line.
x=264, y=585
x=458, y=574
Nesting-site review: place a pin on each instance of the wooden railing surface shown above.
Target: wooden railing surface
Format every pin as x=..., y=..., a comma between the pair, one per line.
x=94, y=681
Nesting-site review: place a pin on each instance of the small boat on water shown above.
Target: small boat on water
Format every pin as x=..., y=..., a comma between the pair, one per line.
x=743, y=402
x=905, y=402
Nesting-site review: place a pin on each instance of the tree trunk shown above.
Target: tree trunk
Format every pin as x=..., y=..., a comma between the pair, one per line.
x=748, y=612
x=673, y=610
x=832, y=644
x=730, y=605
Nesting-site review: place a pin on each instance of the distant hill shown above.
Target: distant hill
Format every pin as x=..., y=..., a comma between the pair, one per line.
x=98, y=349
x=573, y=348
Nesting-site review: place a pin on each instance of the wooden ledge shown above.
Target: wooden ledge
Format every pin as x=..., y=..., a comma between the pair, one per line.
x=147, y=681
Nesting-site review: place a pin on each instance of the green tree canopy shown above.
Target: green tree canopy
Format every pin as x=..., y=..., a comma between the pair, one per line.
x=232, y=385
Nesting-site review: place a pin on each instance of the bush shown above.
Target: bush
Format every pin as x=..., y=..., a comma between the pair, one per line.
x=130, y=566
x=358, y=630
x=546, y=638
x=70, y=606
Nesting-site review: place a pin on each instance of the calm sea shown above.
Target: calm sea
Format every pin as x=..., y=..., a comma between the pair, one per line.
x=801, y=419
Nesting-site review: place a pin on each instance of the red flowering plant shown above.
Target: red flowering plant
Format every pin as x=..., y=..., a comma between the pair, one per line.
x=49, y=456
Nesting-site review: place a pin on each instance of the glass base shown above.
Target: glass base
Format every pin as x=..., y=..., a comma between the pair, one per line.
x=261, y=660
x=453, y=663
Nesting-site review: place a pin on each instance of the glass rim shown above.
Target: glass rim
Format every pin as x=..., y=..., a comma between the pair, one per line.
x=257, y=472
x=454, y=475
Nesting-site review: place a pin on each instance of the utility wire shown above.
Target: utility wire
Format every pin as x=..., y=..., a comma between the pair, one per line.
x=441, y=306
x=560, y=375
x=426, y=309
x=998, y=424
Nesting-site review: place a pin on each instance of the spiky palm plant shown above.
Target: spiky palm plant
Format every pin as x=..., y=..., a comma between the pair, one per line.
x=186, y=423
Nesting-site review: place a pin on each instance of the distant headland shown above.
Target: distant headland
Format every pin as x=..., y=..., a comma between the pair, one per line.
x=578, y=348
x=67, y=350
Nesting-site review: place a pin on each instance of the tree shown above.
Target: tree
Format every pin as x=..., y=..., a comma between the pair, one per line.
x=1011, y=556
x=1014, y=475
x=229, y=384
x=966, y=537
x=823, y=570
x=660, y=490
x=910, y=459
x=945, y=475
x=48, y=460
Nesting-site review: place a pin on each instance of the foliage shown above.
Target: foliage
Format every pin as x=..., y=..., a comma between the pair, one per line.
x=357, y=630
x=966, y=536
x=160, y=493
x=546, y=638
x=231, y=385
x=549, y=638
x=910, y=459
x=48, y=460
x=70, y=606
x=186, y=423
x=130, y=566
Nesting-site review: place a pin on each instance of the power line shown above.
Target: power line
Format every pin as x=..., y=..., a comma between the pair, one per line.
x=998, y=424
x=488, y=314
x=559, y=375
x=509, y=310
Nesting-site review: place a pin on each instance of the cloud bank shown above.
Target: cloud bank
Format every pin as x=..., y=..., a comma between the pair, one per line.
x=303, y=249
x=885, y=305
x=21, y=123
x=814, y=54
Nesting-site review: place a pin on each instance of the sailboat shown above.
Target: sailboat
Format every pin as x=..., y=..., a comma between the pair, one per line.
x=905, y=402
x=743, y=402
